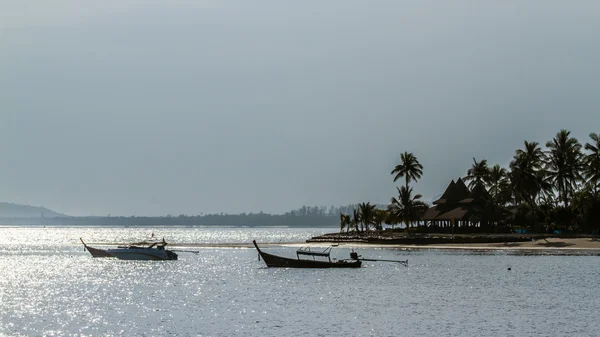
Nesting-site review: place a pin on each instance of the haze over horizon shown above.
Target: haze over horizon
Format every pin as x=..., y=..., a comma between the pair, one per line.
x=137, y=107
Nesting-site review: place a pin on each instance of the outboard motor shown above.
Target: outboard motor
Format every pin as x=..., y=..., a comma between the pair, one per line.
x=354, y=255
x=171, y=255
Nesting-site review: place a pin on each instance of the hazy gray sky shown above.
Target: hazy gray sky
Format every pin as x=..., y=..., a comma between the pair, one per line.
x=155, y=107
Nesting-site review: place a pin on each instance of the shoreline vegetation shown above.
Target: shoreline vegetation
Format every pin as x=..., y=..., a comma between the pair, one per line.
x=547, y=199
x=544, y=191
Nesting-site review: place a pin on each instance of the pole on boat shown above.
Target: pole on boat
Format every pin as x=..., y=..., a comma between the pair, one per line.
x=186, y=251
x=354, y=256
x=404, y=263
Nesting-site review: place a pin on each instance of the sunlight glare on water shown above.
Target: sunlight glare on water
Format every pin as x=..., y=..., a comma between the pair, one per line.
x=50, y=286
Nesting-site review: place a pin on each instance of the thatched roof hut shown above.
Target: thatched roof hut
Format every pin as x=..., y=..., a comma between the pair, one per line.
x=464, y=207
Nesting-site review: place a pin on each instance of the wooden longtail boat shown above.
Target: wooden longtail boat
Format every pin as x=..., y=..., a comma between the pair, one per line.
x=95, y=251
x=279, y=261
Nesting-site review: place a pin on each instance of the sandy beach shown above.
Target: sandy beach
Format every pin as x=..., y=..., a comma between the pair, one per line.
x=543, y=244
x=576, y=246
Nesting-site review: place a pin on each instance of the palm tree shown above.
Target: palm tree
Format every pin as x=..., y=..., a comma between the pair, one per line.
x=592, y=162
x=519, y=177
x=478, y=173
x=348, y=223
x=344, y=222
x=525, y=178
x=545, y=188
x=409, y=168
x=496, y=177
x=406, y=207
x=505, y=192
x=564, y=164
x=367, y=214
x=355, y=219
x=380, y=217
x=533, y=154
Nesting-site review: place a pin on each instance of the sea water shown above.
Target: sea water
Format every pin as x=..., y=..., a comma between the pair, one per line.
x=50, y=286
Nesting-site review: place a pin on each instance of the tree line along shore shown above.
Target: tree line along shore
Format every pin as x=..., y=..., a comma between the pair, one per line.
x=544, y=191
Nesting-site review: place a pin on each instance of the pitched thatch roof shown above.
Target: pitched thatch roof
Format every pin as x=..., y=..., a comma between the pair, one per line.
x=447, y=194
x=454, y=193
x=479, y=192
x=457, y=213
x=431, y=213
x=461, y=190
x=458, y=203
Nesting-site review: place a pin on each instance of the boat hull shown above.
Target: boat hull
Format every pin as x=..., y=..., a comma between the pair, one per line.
x=95, y=252
x=142, y=254
x=284, y=262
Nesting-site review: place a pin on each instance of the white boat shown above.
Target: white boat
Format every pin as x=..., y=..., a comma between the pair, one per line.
x=156, y=251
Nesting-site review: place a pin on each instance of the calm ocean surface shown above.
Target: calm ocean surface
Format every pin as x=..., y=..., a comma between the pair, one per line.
x=51, y=286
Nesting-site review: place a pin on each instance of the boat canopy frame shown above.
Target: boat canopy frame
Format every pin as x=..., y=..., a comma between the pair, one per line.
x=306, y=251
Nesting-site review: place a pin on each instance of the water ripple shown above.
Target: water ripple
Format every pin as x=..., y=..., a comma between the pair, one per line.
x=50, y=286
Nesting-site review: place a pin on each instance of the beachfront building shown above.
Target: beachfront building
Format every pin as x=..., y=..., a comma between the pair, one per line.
x=463, y=210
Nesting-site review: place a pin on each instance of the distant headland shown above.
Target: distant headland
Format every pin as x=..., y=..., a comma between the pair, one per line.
x=305, y=216
x=10, y=210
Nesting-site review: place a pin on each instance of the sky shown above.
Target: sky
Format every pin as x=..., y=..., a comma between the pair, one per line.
x=145, y=107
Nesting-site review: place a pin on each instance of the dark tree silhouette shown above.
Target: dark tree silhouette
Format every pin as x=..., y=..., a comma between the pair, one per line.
x=409, y=168
x=478, y=173
x=564, y=164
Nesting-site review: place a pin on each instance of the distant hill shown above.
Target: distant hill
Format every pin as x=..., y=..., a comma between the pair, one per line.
x=8, y=210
